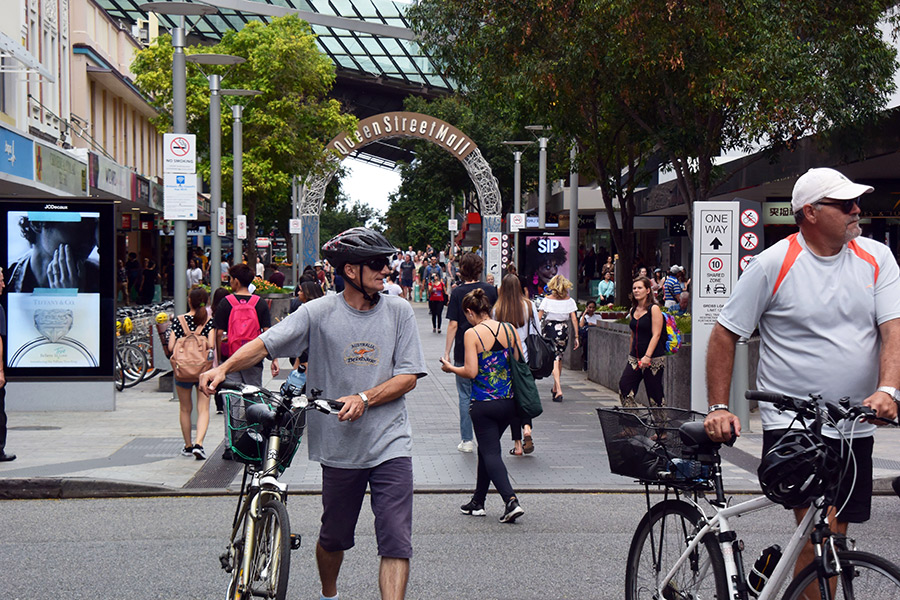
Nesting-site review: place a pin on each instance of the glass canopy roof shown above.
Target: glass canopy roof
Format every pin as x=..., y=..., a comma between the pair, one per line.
x=356, y=44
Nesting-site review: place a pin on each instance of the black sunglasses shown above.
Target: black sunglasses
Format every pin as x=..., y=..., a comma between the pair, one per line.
x=846, y=206
x=377, y=264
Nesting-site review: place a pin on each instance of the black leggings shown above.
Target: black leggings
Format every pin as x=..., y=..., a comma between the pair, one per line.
x=490, y=419
x=437, y=308
x=652, y=377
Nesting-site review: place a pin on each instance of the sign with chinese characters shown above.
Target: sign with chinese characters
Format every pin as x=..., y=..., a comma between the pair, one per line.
x=777, y=213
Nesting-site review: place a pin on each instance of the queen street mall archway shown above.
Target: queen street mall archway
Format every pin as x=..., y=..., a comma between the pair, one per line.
x=404, y=125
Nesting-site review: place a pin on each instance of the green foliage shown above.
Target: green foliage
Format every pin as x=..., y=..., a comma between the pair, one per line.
x=419, y=210
x=346, y=215
x=637, y=83
x=285, y=129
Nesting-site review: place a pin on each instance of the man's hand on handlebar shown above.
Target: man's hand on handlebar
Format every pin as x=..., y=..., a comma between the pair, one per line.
x=353, y=408
x=210, y=380
x=721, y=425
x=883, y=405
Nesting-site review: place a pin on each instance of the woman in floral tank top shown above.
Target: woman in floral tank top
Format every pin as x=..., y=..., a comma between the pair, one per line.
x=488, y=345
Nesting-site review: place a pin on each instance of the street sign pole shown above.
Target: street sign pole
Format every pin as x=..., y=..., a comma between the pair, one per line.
x=714, y=273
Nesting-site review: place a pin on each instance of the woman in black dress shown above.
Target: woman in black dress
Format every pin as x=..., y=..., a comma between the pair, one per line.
x=646, y=357
x=148, y=282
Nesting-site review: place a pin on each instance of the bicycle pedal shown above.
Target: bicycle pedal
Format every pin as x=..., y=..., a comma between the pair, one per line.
x=295, y=541
x=225, y=562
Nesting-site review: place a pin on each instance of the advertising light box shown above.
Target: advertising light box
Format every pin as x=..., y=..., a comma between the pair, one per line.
x=543, y=256
x=60, y=283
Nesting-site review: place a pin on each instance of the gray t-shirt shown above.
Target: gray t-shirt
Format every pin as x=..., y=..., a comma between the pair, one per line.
x=351, y=351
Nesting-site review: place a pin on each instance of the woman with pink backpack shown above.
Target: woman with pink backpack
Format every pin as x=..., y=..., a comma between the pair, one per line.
x=191, y=345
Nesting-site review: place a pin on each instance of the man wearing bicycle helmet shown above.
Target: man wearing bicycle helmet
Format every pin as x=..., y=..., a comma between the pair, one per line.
x=827, y=304
x=364, y=350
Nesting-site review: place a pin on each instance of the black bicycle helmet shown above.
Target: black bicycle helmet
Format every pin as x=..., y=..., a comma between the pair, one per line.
x=798, y=469
x=356, y=246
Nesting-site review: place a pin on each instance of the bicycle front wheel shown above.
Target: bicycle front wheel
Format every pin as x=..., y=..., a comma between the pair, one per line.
x=271, y=560
x=862, y=575
x=134, y=364
x=661, y=538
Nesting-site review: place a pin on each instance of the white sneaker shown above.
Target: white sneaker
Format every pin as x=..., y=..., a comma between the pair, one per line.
x=466, y=446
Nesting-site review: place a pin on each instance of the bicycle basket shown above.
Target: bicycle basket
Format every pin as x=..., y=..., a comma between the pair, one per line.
x=643, y=442
x=247, y=441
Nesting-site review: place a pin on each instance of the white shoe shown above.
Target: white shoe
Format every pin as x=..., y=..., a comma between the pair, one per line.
x=466, y=446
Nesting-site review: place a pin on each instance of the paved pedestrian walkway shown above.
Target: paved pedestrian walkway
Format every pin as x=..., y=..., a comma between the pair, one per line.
x=135, y=449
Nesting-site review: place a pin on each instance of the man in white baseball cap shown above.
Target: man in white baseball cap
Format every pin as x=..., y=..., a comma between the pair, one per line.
x=818, y=184
x=822, y=297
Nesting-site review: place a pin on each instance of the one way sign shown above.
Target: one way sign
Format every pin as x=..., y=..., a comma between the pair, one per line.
x=716, y=229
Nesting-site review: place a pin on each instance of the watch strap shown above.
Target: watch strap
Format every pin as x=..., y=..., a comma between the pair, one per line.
x=716, y=407
x=365, y=400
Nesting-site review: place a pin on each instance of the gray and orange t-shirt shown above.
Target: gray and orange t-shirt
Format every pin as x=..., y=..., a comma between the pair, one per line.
x=818, y=319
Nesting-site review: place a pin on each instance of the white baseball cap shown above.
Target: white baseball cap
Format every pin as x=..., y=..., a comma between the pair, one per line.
x=676, y=269
x=818, y=184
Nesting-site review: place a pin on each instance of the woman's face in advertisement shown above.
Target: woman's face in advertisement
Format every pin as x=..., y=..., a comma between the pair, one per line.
x=547, y=270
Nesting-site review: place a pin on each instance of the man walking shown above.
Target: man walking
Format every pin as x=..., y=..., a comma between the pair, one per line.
x=470, y=267
x=822, y=297
x=4, y=457
x=240, y=318
x=365, y=352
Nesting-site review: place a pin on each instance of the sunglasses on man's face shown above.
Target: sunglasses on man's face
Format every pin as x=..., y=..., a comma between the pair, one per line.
x=377, y=264
x=846, y=206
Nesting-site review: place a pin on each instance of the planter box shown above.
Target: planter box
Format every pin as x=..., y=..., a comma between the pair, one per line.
x=608, y=348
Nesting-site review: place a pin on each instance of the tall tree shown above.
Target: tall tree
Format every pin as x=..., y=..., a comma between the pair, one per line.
x=685, y=79
x=284, y=130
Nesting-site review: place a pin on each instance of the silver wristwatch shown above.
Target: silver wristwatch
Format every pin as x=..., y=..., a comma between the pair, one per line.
x=893, y=392
x=365, y=400
x=716, y=407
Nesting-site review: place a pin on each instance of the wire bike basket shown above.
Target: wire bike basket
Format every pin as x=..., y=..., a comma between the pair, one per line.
x=644, y=443
x=247, y=440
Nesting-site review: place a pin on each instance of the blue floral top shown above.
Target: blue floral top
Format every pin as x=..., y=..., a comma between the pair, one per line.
x=494, y=380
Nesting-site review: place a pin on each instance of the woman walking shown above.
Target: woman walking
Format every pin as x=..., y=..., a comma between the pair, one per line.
x=557, y=311
x=513, y=307
x=437, y=297
x=647, y=355
x=492, y=406
x=197, y=321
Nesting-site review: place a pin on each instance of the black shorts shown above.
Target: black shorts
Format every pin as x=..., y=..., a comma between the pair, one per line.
x=859, y=506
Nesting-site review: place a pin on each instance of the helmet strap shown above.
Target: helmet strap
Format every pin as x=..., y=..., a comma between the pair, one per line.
x=373, y=299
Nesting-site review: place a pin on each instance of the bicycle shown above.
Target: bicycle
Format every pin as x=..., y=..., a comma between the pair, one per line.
x=264, y=432
x=681, y=551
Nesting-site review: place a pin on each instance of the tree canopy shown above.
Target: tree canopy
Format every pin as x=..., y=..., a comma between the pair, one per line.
x=642, y=83
x=285, y=129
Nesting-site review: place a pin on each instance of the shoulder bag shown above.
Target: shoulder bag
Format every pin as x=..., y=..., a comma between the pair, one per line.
x=540, y=351
x=525, y=391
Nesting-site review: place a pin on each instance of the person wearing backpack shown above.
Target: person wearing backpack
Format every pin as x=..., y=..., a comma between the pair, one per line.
x=242, y=316
x=647, y=354
x=191, y=344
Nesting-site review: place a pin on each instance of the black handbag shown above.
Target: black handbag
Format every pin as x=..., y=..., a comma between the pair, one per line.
x=525, y=391
x=541, y=354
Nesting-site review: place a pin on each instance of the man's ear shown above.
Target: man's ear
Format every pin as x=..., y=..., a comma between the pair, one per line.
x=351, y=271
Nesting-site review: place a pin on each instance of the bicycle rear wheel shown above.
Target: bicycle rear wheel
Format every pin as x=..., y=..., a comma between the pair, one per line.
x=863, y=576
x=134, y=364
x=271, y=561
x=660, y=539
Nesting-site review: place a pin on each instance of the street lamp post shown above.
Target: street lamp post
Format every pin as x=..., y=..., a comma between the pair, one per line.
x=542, y=173
x=573, y=222
x=179, y=124
x=237, y=112
x=517, y=190
x=215, y=158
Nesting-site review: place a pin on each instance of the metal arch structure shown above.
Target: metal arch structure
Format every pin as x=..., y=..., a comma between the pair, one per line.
x=401, y=125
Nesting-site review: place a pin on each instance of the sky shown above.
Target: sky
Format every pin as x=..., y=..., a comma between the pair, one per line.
x=369, y=184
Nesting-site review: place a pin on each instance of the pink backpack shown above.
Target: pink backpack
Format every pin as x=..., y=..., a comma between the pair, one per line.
x=243, y=322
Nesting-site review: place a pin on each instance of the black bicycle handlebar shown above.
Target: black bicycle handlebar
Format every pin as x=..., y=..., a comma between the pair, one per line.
x=809, y=408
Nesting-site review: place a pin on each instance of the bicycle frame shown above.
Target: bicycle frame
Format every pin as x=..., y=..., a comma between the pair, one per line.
x=719, y=524
x=262, y=486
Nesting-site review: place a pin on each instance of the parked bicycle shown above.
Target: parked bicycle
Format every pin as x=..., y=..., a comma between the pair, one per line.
x=686, y=547
x=264, y=432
